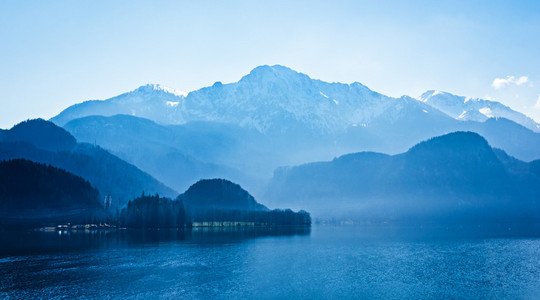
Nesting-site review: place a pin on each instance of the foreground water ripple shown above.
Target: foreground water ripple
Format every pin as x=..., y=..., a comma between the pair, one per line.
x=325, y=262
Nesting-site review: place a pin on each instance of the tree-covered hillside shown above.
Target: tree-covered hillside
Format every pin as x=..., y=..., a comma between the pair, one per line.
x=35, y=139
x=33, y=193
x=208, y=203
x=219, y=194
x=452, y=177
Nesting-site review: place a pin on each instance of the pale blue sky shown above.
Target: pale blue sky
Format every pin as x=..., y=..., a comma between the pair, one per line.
x=57, y=53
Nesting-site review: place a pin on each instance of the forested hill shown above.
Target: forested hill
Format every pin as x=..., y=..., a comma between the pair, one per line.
x=219, y=194
x=34, y=193
x=207, y=203
x=42, y=141
x=454, y=176
x=41, y=133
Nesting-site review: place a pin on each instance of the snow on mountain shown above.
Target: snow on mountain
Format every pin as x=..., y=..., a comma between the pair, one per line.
x=278, y=99
x=301, y=119
x=474, y=109
x=159, y=87
x=269, y=99
x=151, y=101
x=276, y=96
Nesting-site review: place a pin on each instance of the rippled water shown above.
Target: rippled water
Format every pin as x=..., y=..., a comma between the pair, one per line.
x=324, y=262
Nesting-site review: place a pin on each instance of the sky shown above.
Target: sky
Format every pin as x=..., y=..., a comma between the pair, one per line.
x=54, y=54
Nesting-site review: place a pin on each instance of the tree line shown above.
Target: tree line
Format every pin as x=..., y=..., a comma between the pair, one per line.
x=160, y=212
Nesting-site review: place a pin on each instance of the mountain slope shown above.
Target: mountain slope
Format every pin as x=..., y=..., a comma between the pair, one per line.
x=219, y=194
x=41, y=133
x=270, y=99
x=151, y=101
x=275, y=98
x=177, y=155
x=299, y=118
x=32, y=194
x=505, y=134
x=455, y=176
x=29, y=185
x=106, y=172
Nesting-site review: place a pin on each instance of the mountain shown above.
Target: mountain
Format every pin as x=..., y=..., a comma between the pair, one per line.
x=274, y=99
x=177, y=155
x=151, y=101
x=453, y=177
x=40, y=133
x=269, y=99
x=33, y=193
x=508, y=135
x=286, y=118
x=108, y=173
x=475, y=109
x=219, y=194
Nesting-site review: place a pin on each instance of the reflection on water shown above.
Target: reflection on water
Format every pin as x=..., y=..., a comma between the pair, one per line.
x=33, y=241
x=323, y=262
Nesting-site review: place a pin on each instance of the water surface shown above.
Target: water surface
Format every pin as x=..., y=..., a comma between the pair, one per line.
x=340, y=262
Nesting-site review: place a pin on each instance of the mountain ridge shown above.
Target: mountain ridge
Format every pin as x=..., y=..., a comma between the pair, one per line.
x=475, y=109
x=451, y=176
x=33, y=194
x=275, y=89
x=106, y=172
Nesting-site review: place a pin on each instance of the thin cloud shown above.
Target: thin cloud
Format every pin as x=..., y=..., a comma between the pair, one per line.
x=500, y=82
x=537, y=106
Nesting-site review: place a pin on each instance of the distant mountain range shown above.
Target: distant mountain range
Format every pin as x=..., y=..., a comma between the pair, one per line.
x=474, y=109
x=452, y=177
x=275, y=117
x=302, y=119
x=176, y=155
x=273, y=98
x=42, y=141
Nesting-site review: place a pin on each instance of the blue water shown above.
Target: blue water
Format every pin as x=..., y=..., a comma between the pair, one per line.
x=325, y=262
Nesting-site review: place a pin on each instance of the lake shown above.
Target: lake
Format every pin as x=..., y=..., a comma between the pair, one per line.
x=338, y=262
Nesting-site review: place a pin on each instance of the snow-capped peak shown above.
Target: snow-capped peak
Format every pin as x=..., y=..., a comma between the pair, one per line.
x=431, y=93
x=273, y=97
x=474, y=109
x=159, y=87
x=276, y=73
